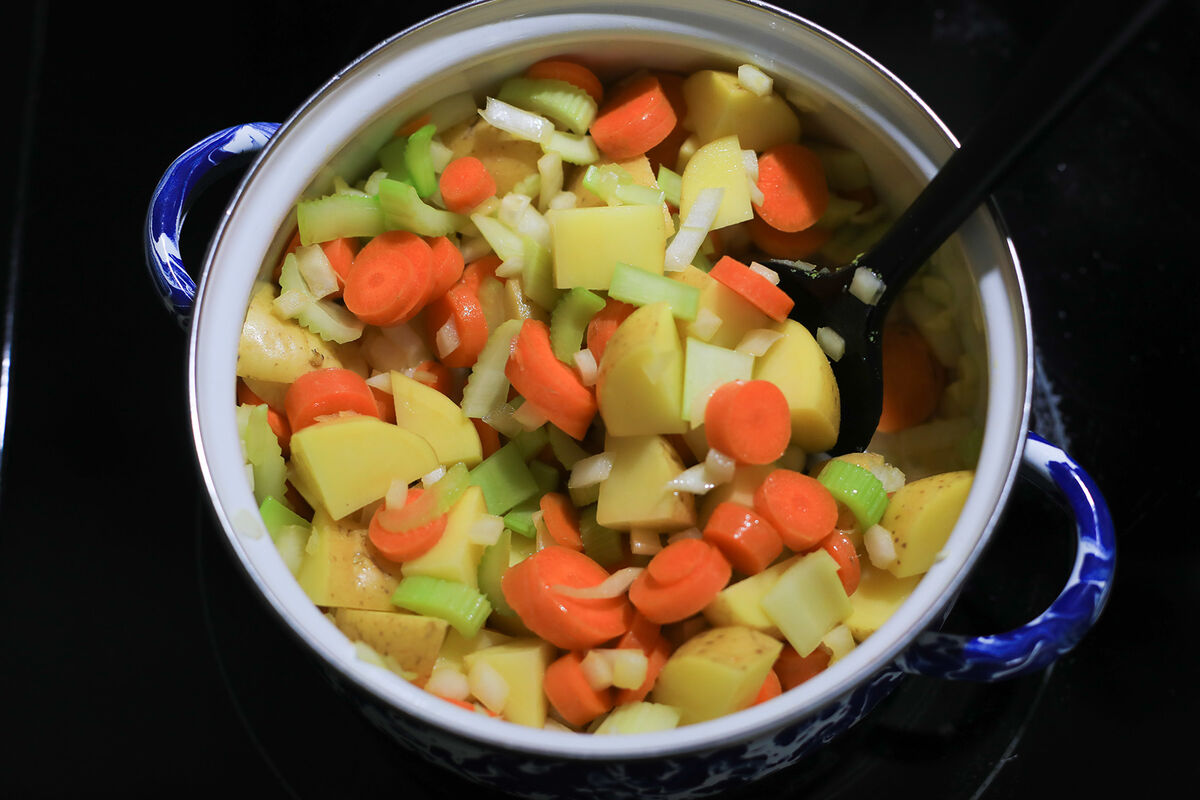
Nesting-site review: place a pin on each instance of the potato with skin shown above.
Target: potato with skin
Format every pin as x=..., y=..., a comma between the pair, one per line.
x=718, y=105
x=716, y=672
x=798, y=366
x=878, y=596
x=643, y=360
x=278, y=350
x=635, y=495
x=437, y=419
x=920, y=516
x=411, y=640
x=522, y=664
x=718, y=164
x=508, y=160
x=338, y=571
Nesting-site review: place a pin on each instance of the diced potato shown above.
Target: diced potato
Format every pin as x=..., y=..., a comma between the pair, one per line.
x=719, y=105
x=643, y=360
x=921, y=515
x=740, y=603
x=411, y=640
x=635, y=495
x=877, y=597
x=738, y=316
x=437, y=419
x=808, y=601
x=718, y=164
x=643, y=175
x=798, y=366
x=639, y=717
x=279, y=350
x=455, y=557
x=716, y=672
x=587, y=243
x=348, y=462
x=338, y=571
x=522, y=664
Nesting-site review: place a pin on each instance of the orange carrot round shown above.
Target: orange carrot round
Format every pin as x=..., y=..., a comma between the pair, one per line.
x=913, y=378
x=462, y=306
x=561, y=520
x=771, y=688
x=533, y=588
x=791, y=246
x=680, y=580
x=435, y=375
x=838, y=545
x=385, y=404
x=567, y=688
x=747, y=540
x=489, y=437
x=485, y=267
x=447, y=266
x=749, y=421
x=666, y=152
x=604, y=324
x=798, y=506
x=634, y=119
x=792, y=182
x=794, y=669
x=574, y=73
x=341, y=253
x=409, y=544
x=327, y=391
x=389, y=279
x=551, y=386
x=760, y=292
x=465, y=183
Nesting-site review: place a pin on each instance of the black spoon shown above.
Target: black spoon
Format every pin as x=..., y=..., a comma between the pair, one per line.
x=1072, y=55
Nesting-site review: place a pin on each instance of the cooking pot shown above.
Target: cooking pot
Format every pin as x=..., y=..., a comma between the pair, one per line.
x=852, y=98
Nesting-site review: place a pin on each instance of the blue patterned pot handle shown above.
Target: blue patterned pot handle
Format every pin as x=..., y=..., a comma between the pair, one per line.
x=194, y=169
x=1055, y=631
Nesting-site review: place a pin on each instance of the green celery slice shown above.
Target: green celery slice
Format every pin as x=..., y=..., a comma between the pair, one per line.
x=391, y=158
x=262, y=451
x=603, y=180
x=573, y=149
x=603, y=545
x=565, y=449
x=537, y=276
x=466, y=609
x=487, y=386
x=329, y=320
x=418, y=158
x=671, y=183
x=492, y=566
x=405, y=210
x=532, y=442
x=564, y=103
x=505, y=479
x=569, y=321
x=334, y=216
x=520, y=518
x=276, y=514
x=641, y=287
x=545, y=475
x=858, y=489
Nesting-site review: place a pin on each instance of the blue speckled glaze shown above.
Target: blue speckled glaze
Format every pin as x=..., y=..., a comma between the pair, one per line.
x=169, y=204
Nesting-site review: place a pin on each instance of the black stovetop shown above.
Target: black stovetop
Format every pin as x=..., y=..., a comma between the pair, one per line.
x=135, y=658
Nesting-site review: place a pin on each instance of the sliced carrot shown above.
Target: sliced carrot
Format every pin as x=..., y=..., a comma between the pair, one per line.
x=533, y=588
x=561, y=520
x=798, y=506
x=634, y=119
x=447, y=266
x=913, y=378
x=747, y=540
x=680, y=580
x=666, y=152
x=838, y=545
x=567, y=688
x=551, y=386
x=749, y=421
x=791, y=246
x=574, y=73
x=389, y=279
x=415, y=124
x=762, y=294
x=435, y=375
x=771, y=688
x=463, y=704
x=794, y=669
x=341, y=253
x=604, y=324
x=327, y=391
x=646, y=636
x=385, y=404
x=465, y=183
x=792, y=182
x=461, y=306
x=409, y=544
x=474, y=273
x=489, y=437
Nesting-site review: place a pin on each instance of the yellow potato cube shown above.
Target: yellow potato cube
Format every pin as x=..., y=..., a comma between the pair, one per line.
x=587, y=243
x=639, y=383
x=807, y=601
x=437, y=419
x=718, y=164
x=920, y=516
x=716, y=672
x=878, y=596
x=718, y=105
x=337, y=569
x=455, y=557
x=740, y=603
x=522, y=664
x=635, y=495
x=411, y=640
x=737, y=314
x=798, y=366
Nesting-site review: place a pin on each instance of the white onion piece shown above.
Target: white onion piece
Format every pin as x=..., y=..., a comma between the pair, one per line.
x=447, y=339
x=866, y=286
x=757, y=198
x=750, y=162
x=706, y=324
x=694, y=229
x=448, y=682
x=511, y=267
x=758, y=341
x=535, y=226
x=550, y=170
x=585, y=362
x=719, y=466
x=488, y=686
x=643, y=542
x=433, y=476
x=598, y=670
x=529, y=416
x=614, y=585
x=590, y=471
x=755, y=80
x=381, y=381
x=564, y=200
x=290, y=303
x=512, y=208
x=629, y=666
x=486, y=530
x=831, y=342
x=397, y=494
x=840, y=642
x=766, y=272
x=316, y=270
x=522, y=124
x=881, y=549
x=693, y=480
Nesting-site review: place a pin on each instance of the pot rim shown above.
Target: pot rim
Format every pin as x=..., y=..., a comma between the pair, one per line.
x=931, y=597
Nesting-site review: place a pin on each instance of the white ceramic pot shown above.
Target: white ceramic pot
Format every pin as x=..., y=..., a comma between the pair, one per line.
x=865, y=107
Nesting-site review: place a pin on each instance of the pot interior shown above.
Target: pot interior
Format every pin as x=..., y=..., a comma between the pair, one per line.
x=853, y=101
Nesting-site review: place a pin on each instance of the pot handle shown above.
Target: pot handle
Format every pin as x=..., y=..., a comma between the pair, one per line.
x=195, y=169
x=1059, y=628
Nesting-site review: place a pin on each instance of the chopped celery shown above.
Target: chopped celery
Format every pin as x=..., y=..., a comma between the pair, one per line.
x=492, y=566
x=418, y=158
x=603, y=545
x=463, y=607
x=857, y=488
x=391, y=158
x=569, y=321
x=520, y=518
x=537, y=277
x=276, y=514
x=641, y=287
x=671, y=183
x=338, y=215
x=615, y=186
x=528, y=186
x=545, y=475
x=573, y=149
x=331, y=321
x=404, y=209
x=487, y=386
x=636, y=194
x=565, y=449
x=505, y=479
x=530, y=443
x=262, y=452
x=506, y=243
x=563, y=103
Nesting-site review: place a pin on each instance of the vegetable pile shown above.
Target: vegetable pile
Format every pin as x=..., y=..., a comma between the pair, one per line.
x=528, y=420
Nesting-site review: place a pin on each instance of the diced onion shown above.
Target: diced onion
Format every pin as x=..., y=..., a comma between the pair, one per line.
x=693, y=480
x=706, y=324
x=694, y=229
x=831, y=342
x=529, y=416
x=397, y=494
x=881, y=549
x=755, y=80
x=866, y=286
x=511, y=267
x=766, y=272
x=446, y=339
x=381, y=381
x=598, y=670
x=758, y=341
x=512, y=208
x=629, y=666
x=290, y=303
x=585, y=361
x=643, y=542
x=840, y=642
x=448, y=682
x=433, y=476
x=551, y=171
x=486, y=530
x=590, y=471
x=757, y=198
x=719, y=466
x=750, y=162
x=564, y=200
x=488, y=686
x=316, y=270
x=520, y=123
x=614, y=585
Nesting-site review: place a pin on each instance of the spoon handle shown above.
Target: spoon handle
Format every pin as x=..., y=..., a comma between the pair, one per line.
x=1070, y=57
